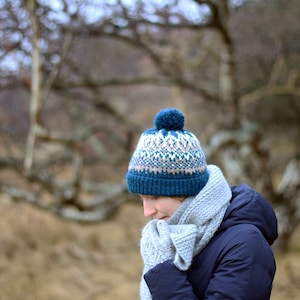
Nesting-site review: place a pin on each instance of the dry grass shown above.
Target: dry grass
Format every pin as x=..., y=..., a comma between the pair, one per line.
x=43, y=257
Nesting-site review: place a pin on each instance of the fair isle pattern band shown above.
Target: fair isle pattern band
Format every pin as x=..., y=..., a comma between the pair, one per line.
x=176, y=154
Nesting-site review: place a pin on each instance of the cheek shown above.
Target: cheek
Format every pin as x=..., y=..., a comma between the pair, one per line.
x=170, y=206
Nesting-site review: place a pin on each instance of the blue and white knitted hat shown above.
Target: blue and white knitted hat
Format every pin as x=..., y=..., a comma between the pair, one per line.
x=168, y=160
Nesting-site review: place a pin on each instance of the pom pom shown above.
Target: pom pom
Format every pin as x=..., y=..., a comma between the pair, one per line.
x=169, y=119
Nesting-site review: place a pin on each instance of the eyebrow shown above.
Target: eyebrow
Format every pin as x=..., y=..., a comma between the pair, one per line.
x=150, y=197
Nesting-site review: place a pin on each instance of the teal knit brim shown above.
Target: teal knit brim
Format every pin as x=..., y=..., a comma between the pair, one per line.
x=158, y=186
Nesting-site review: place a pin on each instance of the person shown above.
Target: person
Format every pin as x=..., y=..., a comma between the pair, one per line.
x=206, y=239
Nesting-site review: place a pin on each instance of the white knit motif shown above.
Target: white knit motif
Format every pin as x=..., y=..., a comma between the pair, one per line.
x=188, y=230
x=174, y=153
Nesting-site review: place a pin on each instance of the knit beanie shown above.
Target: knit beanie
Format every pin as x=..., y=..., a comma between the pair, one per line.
x=168, y=160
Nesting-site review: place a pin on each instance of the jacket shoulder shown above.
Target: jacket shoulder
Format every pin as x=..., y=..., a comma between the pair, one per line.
x=235, y=261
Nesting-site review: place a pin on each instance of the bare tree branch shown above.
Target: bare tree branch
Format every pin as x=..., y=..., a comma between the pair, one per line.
x=36, y=100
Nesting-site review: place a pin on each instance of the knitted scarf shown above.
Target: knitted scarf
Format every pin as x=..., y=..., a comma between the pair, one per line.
x=188, y=230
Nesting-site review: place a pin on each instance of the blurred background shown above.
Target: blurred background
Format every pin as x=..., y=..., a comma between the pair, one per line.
x=79, y=82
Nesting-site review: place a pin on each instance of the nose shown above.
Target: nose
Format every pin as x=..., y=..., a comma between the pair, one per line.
x=149, y=209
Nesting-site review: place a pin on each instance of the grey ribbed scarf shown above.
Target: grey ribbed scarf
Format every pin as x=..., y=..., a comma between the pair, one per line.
x=188, y=230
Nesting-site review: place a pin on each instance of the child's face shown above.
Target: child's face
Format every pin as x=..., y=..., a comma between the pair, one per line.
x=160, y=207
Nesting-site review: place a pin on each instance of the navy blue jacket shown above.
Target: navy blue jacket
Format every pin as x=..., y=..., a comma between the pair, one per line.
x=237, y=263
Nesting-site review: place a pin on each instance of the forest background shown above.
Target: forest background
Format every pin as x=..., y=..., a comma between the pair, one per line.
x=80, y=80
